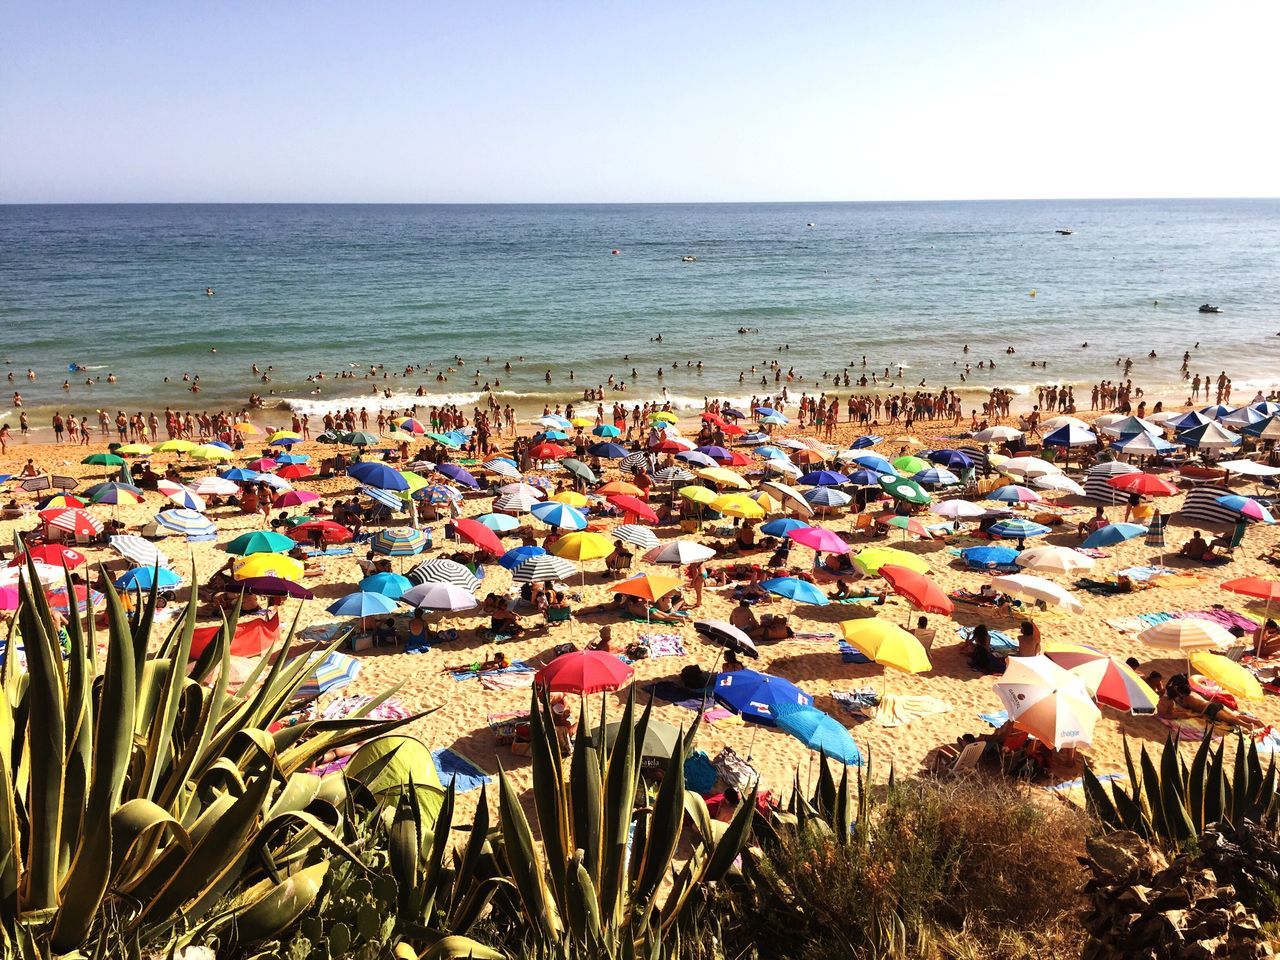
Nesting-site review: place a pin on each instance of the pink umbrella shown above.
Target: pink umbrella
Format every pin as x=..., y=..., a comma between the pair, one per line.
x=296, y=498
x=819, y=539
x=263, y=465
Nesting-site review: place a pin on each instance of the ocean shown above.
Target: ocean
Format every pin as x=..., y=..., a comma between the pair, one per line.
x=321, y=288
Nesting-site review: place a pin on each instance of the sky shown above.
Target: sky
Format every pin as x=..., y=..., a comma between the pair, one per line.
x=602, y=101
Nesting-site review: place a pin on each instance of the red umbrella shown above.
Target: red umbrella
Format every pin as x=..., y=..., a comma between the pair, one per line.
x=53, y=554
x=1249, y=586
x=583, y=671
x=673, y=445
x=920, y=591
x=479, y=535
x=253, y=636
x=330, y=532
x=1147, y=484
x=548, y=451
x=633, y=505
x=73, y=520
x=295, y=471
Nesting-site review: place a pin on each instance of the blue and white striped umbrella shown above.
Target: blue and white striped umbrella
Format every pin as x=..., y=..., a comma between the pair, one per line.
x=752, y=438
x=696, y=458
x=334, y=671
x=187, y=522
x=1145, y=445
x=936, y=477
x=1018, y=529
x=561, y=515
x=498, y=522
x=827, y=497
x=870, y=440
x=384, y=497
x=503, y=467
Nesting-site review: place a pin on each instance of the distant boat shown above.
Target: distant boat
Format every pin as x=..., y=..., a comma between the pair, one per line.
x=1065, y=233
x=810, y=224
x=688, y=259
x=1209, y=308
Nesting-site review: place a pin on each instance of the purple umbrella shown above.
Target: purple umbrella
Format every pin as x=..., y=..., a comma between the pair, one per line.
x=458, y=475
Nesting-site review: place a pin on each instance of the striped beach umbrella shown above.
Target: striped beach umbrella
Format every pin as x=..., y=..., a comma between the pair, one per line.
x=636, y=535
x=827, y=498
x=142, y=552
x=215, y=486
x=115, y=493
x=440, y=570
x=516, y=503
x=503, y=468
x=72, y=520
x=334, y=671
x=543, y=568
x=672, y=475
x=1048, y=702
x=186, y=522
x=1015, y=528
x=181, y=495
x=398, y=542
x=559, y=515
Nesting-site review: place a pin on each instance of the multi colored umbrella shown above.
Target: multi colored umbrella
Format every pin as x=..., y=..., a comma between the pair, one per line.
x=582, y=672
x=1015, y=528
x=115, y=493
x=1108, y=681
x=398, y=542
x=1048, y=702
x=1246, y=507
x=559, y=515
x=900, y=488
x=1013, y=493
x=334, y=671
x=1187, y=634
x=72, y=520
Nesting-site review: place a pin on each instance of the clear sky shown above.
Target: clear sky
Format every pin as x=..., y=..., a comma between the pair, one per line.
x=539, y=100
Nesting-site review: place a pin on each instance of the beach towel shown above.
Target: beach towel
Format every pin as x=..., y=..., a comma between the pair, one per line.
x=1106, y=588
x=417, y=645
x=1269, y=741
x=345, y=706
x=847, y=600
x=1178, y=581
x=321, y=633
x=1223, y=618
x=1001, y=642
x=1139, y=623
x=663, y=644
x=699, y=773
x=735, y=771
x=1188, y=729
x=677, y=694
x=1143, y=573
x=506, y=681
x=1068, y=785
x=721, y=715
x=850, y=655
x=897, y=710
x=852, y=701
x=453, y=766
x=997, y=718
x=516, y=666
x=812, y=636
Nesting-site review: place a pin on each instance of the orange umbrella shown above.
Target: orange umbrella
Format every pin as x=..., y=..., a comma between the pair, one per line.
x=807, y=456
x=920, y=591
x=648, y=586
x=619, y=487
x=1267, y=590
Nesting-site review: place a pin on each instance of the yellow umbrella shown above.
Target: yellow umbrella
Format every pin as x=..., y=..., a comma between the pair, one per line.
x=248, y=429
x=267, y=565
x=870, y=561
x=416, y=482
x=284, y=435
x=134, y=450
x=664, y=415
x=1229, y=675
x=209, y=453
x=582, y=546
x=767, y=502
x=697, y=494
x=722, y=477
x=571, y=497
x=176, y=446
x=582, y=422
x=737, y=505
x=887, y=644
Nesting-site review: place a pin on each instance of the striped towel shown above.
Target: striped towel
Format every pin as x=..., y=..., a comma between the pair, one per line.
x=850, y=655
x=663, y=644
x=517, y=666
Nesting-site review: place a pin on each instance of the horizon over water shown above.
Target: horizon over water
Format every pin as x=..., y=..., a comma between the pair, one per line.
x=328, y=287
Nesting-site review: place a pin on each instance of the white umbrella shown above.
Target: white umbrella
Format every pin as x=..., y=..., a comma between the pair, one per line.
x=1050, y=703
x=1051, y=559
x=1112, y=468
x=1037, y=589
x=1054, y=423
x=438, y=596
x=1186, y=635
x=779, y=465
x=525, y=489
x=1249, y=468
x=679, y=552
x=788, y=496
x=636, y=535
x=997, y=434
x=1028, y=467
x=1057, y=481
x=141, y=552
x=959, y=510
x=46, y=573
x=214, y=486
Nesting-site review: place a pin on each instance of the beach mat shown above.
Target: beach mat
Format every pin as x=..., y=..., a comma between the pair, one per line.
x=464, y=773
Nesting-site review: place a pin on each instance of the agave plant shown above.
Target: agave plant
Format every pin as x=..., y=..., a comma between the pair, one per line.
x=609, y=841
x=137, y=797
x=1175, y=802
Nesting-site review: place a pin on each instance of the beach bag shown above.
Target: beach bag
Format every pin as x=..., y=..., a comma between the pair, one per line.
x=735, y=771
x=699, y=773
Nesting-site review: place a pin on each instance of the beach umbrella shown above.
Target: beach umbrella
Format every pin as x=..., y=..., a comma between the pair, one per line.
x=1234, y=678
x=887, y=644
x=1037, y=590
x=1127, y=426
x=552, y=420
x=819, y=539
x=1256, y=587
x=548, y=451
x=1249, y=468
x=771, y=452
x=81, y=596
x=385, y=498
x=1107, y=680
x=808, y=456
x=637, y=536
x=477, y=534
x=818, y=731
x=1048, y=702
x=103, y=460
x=373, y=473
x=619, y=486
x=1188, y=420
x=737, y=505
x=768, y=503
x=398, y=542
x=359, y=438
x=215, y=486
x=134, y=450
x=176, y=446
x=503, y=468
x=542, y=568
x=1111, y=468
x=362, y=604
x=1246, y=507
x=661, y=739
x=518, y=555
x=72, y=520
x=633, y=507
x=824, y=478
x=606, y=430
x=1015, y=528
x=909, y=465
x=757, y=697
x=1144, y=445
x=791, y=498
x=650, y=587
x=1063, y=420
x=793, y=588
x=582, y=672
x=696, y=458
x=115, y=493
x=786, y=467
x=1265, y=429
x=1052, y=559
x=209, y=451
x=449, y=440
x=827, y=498
x=332, y=672
x=726, y=635
x=722, y=477
x=409, y=425
x=267, y=565
x=936, y=477
x=997, y=434
x=872, y=461
x=782, y=526
x=181, y=495
x=327, y=530
x=637, y=461
x=54, y=554
x=900, y=488
x=988, y=558
x=458, y=475
x=189, y=523
x=298, y=471
x=516, y=502
x=870, y=560
x=559, y=515
x=1146, y=484
x=240, y=475
x=579, y=469
x=1216, y=411
x=498, y=522
x=139, y=551
x=275, y=587
x=679, y=552
x=439, y=596
x=672, y=475
x=951, y=459
x=921, y=592
x=437, y=493
x=1187, y=634
x=259, y=541
x=695, y=494
x=388, y=584
x=1058, y=482
x=46, y=574
x=1114, y=533
x=56, y=500
x=861, y=443
x=440, y=570
x=262, y=464
x=1267, y=407
x=1070, y=435
x=1028, y=467
x=1242, y=417
x=910, y=525
x=958, y=510
x=1013, y=493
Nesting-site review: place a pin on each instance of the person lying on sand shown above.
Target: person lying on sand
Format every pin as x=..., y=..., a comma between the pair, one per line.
x=844, y=592
x=1179, y=701
x=499, y=661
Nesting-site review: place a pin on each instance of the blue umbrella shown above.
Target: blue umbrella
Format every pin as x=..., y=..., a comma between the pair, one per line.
x=218, y=443
x=445, y=439
x=1216, y=411
x=607, y=451
x=1144, y=444
x=554, y=435
x=1209, y=435
x=606, y=430
x=384, y=497
x=770, y=453
x=556, y=514
x=187, y=522
x=1018, y=529
x=817, y=731
x=951, y=459
x=390, y=585
x=936, y=476
x=715, y=453
x=758, y=696
x=1268, y=408
x=824, y=478
x=458, y=475
x=873, y=461
x=1247, y=507
x=1243, y=417
x=862, y=477
x=793, y=588
x=240, y=475
x=498, y=522
x=732, y=413
x=782, y=526
x=870, y=440
x=1186, y=421
x=141, y=578
x=827, y=497
x=518, y=555
x=285, y=459
x=1114, y=533
x=1258, y=428
x=980, y=558
x=1069, y=435
x=362, y=604
x=285, y=442
x=767, y=412
x=373, y=473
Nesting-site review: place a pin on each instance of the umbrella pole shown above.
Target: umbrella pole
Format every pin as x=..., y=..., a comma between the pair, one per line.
x=752, y=745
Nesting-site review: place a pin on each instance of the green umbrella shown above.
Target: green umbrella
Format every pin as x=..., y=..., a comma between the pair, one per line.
x=103, y=460
x=444, y=439
x=578, y=469
x=260, y=541
x=910, y=465
x=330, y=436
x=359, y=439
x=904, y=489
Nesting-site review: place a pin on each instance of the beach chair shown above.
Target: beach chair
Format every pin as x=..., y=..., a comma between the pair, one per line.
x=558, y=615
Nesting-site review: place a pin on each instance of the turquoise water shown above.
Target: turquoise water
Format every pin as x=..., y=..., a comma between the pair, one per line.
x=319, y=288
